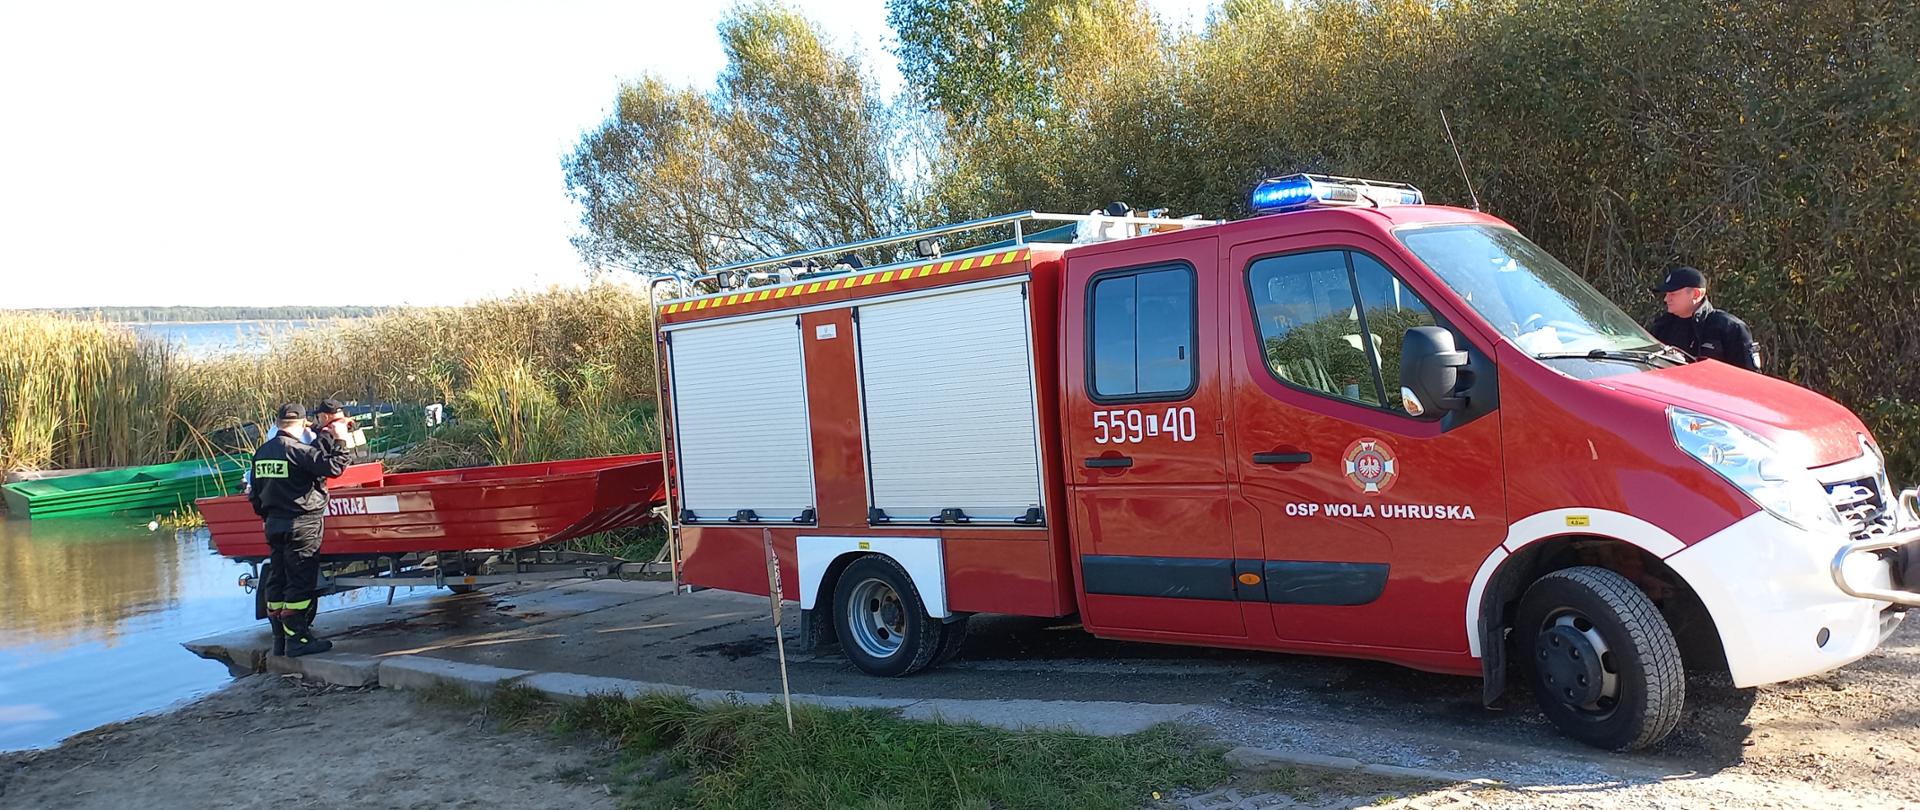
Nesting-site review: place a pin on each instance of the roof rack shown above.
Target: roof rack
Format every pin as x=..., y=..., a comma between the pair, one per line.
x=1092, y=227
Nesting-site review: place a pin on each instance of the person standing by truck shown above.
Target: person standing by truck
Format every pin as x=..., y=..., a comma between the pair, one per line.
x=1695, y=326
x=289, y=493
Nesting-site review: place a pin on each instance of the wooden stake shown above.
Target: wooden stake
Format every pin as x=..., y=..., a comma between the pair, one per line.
x=779, y=637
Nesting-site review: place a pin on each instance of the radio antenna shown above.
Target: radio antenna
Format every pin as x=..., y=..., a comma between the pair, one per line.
x=1457, y=159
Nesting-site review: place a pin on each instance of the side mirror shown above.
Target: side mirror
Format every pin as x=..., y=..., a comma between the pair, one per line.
x=1430, y=368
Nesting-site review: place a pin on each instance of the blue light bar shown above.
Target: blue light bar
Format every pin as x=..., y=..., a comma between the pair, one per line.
x=1297, y=191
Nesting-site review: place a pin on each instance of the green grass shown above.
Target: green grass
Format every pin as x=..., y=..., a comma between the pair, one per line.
x=678, y=753
x=638, y=544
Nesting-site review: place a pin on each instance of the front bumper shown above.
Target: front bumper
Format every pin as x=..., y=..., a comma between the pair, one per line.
x=1786, y=604
x=1899, y=549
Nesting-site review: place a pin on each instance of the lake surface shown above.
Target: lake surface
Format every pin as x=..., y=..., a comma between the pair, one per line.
x=208, y=338
x=92, y=615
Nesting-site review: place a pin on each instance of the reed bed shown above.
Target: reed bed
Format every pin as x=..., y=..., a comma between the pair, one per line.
x=85, y=393
x=534, y=376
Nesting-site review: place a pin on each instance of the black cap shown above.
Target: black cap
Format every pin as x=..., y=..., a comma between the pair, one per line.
x=1680, y=277
x=292, y=410
x=328, y=406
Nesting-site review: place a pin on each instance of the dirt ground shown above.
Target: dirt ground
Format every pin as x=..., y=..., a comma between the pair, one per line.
x=1846, y=739
x=273, y=742
x=1849, y=738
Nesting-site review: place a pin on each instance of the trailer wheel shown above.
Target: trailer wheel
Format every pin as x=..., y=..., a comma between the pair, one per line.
x=463, y=589
x=883, y=626
x=1601, y=659
x=260, y=592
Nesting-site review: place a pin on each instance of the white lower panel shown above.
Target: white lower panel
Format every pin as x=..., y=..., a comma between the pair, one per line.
x=921, y=556
x=1769, y=588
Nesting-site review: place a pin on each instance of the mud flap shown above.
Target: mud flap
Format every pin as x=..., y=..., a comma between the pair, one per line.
x=1493, y=662
x=816, y=629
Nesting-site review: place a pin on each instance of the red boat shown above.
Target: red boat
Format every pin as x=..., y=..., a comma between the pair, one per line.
x=372, y=514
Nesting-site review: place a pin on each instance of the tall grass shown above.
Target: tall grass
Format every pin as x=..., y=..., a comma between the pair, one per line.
x=535, y=376
x=85, y=393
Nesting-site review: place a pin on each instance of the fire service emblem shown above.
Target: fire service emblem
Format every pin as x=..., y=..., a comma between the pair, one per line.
x=1369, y=464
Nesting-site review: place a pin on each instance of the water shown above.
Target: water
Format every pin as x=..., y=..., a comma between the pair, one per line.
x=92, y=615
x=201, y=339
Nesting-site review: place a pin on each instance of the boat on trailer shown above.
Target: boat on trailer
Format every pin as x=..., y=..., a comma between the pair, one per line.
x=460, y=528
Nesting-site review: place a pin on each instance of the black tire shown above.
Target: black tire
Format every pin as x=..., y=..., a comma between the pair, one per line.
x=463, y=589
x=953, y=636
x=1601, y=659
x=883, y=626
x=260, y=592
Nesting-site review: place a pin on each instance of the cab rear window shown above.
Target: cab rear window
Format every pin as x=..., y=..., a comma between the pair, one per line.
x=1141, y=328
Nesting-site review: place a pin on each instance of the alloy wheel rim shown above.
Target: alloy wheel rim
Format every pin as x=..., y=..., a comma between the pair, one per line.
x=878, y=618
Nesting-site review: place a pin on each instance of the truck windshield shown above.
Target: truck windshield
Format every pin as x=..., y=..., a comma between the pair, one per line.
x=1525, y=293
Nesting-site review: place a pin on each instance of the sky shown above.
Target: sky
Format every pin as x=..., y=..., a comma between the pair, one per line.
x=380, y=153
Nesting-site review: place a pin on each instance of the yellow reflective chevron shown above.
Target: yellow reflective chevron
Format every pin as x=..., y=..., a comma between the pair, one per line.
x=801, y=290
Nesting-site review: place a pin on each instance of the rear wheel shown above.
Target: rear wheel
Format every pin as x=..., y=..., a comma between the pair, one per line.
x=1601, y=659
x=883, y=626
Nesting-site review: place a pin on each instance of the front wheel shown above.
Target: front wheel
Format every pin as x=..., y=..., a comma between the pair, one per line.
x=1601, y=659
x=883, y=626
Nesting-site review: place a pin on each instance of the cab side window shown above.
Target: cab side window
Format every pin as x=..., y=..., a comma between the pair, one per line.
x=1390, y=309
x=1141, y=327
x=1309, y=326
x=1331, y=322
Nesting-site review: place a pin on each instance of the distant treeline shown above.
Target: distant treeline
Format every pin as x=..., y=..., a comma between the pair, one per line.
x=187, y=314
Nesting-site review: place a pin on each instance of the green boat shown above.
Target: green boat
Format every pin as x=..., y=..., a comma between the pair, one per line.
x=153, y=490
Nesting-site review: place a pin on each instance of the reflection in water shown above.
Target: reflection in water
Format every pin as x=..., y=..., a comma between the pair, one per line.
x=92, y=615
x=64, y=575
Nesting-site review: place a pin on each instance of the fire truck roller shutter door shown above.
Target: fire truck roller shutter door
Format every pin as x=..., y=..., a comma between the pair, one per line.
x=740, y=408
x=948, y=389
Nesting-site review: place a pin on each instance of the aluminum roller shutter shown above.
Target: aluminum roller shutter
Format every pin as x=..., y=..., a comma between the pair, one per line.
x=740, y=417
x=950, y=408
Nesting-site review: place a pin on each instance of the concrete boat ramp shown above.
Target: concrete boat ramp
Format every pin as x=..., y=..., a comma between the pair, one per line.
x=630, y=638
x=581, y=638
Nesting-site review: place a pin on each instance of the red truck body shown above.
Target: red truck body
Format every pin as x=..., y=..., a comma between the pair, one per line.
x=1218, y=458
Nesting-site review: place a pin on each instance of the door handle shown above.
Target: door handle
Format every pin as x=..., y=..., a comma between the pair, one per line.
x=1110, y=461
x=1282, y=458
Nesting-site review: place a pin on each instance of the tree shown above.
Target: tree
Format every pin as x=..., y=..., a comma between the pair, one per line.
x=794, y=149
x=1045, y=103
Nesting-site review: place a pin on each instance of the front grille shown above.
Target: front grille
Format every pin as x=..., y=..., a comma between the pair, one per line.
x=1863, y=506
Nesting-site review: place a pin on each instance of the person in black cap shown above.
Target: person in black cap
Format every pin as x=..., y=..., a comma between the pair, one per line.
x=334, y=416
x=289, y=493
x=1693, y=325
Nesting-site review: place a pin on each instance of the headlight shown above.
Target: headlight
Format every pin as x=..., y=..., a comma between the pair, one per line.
x=1778, y=485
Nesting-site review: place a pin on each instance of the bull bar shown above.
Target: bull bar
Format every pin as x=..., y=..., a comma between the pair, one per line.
x=1908, y=536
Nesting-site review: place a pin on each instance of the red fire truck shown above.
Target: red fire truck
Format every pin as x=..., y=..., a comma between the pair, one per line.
x=1351, y=425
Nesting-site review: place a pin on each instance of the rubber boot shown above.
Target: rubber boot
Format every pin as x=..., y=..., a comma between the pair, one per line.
x=300, y=640
x=279, y=632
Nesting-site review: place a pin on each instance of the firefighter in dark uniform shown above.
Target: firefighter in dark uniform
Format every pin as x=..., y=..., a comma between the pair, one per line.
x=1693, y=325
x=289, y=492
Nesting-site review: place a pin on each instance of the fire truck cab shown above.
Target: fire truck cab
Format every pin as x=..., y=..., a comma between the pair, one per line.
x=1351, y=425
